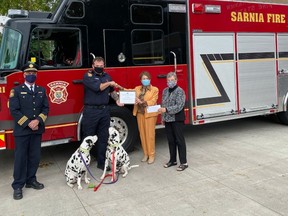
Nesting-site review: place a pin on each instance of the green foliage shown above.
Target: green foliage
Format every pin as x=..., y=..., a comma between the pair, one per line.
x=30, y=5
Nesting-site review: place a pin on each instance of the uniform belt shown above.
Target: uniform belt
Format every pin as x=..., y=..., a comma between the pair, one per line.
x=96, y=106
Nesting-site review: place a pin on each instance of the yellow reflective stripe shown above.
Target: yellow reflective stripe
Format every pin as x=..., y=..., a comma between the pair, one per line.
x=2, y=137
x=2, y=141
x=22, y=120
x=43, y=117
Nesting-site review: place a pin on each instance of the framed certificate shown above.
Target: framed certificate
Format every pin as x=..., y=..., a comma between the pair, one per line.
x=127, y=97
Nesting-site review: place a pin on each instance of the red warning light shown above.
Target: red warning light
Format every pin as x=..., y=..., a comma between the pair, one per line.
x=198, y=8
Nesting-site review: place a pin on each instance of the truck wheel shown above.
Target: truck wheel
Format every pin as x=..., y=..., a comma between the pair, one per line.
x=283, y=117
x=123, y=121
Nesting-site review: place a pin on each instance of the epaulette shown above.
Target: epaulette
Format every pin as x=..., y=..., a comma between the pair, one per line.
x=12, y=93
x=90, y=73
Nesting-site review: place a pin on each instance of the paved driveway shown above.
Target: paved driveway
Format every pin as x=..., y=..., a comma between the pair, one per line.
x=235, y=168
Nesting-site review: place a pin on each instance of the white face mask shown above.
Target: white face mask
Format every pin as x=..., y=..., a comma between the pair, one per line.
x=171, y=83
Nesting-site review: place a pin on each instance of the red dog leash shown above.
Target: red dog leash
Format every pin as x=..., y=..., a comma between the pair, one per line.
x=114, y=179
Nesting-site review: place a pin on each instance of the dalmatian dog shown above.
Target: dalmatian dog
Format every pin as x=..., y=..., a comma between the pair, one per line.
x=75, y=168
x=121, y=160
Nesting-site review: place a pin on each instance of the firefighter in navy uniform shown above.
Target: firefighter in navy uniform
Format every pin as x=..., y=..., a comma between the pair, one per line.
x=98, y=87
x=28, y=104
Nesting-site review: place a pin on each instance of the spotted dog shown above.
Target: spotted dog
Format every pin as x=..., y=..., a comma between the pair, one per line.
x=75, y=168
x=122, y=160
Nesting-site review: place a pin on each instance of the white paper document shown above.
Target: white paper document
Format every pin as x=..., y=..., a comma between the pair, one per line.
x=154, y=108
x=127, y=97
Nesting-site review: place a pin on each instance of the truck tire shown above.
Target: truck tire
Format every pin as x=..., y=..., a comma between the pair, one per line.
x=283, y=117
x=123, y=121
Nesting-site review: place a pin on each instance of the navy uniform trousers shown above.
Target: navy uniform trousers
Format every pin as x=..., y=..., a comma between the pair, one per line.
x=97, y=121
x=27, y=159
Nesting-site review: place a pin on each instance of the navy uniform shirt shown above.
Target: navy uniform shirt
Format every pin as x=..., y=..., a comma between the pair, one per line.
x=25, y=106
x=93, y=96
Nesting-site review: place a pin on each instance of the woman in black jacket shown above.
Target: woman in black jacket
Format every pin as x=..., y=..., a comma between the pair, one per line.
x=172, y=109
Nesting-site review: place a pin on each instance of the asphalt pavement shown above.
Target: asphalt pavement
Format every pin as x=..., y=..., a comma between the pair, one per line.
x=235, y=168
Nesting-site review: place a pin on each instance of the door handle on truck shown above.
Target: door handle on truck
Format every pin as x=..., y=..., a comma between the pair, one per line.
x=77, y=81
x=162, y=76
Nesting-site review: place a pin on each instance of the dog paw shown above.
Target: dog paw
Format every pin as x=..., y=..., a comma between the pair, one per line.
x=80, y=187
x=87, y=181
x=124, y=175
x=70, y=185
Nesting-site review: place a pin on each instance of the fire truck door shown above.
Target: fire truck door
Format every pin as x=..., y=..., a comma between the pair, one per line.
x=214, y=81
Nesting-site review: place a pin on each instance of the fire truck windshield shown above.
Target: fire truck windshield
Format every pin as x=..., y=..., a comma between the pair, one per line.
x=10, y=48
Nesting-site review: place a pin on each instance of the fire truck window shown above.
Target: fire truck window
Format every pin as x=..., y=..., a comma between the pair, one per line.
x=175, y=41
x=10, y=49
x=146, y=14
x=55, y=48
x=0, y=34
x=75, y=10
x=147, y=47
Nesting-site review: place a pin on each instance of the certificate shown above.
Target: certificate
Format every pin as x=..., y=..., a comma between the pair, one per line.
x=151, y=109
x=127, y=97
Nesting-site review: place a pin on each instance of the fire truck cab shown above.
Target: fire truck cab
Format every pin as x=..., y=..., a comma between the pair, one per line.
x=230, y=58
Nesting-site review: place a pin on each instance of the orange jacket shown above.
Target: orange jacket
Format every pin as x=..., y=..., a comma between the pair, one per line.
x=151, y=97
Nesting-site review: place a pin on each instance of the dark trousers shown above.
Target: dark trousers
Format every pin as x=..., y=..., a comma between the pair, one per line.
x=174, y=132
x=96, y=122
x=27, y=159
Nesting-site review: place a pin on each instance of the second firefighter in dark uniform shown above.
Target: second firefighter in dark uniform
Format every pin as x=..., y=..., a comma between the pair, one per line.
x=28, y=104
x=98, y=87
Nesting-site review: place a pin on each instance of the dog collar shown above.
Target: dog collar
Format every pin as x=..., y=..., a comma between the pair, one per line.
x=84, y=150
x=114, y=145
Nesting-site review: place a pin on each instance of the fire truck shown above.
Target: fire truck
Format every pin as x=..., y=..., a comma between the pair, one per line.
x=231, y=58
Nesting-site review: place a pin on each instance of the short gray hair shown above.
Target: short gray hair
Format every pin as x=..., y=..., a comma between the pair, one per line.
x=172, y=74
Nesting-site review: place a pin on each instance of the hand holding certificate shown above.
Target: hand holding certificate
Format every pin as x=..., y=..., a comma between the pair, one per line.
x=127, y=97
x=154, y=108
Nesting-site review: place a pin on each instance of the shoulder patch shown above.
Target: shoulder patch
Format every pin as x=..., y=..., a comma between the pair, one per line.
x=11, y=93
x=89, y=73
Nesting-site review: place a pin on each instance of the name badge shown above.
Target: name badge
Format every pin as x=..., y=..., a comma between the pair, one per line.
x=23, y=92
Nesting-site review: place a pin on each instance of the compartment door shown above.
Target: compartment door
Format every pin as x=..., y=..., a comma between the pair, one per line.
x=214, y=74
x=257, y=71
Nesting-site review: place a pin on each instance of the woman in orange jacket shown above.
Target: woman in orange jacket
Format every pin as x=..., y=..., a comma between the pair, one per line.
x=146, y=95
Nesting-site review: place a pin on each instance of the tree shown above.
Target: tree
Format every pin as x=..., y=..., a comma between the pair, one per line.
x=30, y=5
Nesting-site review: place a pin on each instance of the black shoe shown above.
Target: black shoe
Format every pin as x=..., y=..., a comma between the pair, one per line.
x=102, y=168
x=182, y=167
x=35, y=185
x=169, y=164
x=17, y=194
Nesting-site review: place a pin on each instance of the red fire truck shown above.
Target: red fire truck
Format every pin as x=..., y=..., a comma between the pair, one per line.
x=231, y=58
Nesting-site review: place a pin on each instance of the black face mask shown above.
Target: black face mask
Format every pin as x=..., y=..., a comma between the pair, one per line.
x=98, y=70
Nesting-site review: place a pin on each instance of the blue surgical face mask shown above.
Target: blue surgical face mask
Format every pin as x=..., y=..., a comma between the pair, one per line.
x=145, y=82
x=171, y=84
x=31, y=78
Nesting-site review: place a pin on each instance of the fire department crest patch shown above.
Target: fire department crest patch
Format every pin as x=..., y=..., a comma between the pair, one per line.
x=58, y=91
